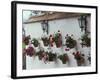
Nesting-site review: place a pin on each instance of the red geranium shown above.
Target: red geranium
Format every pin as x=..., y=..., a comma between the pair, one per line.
x=30, y=51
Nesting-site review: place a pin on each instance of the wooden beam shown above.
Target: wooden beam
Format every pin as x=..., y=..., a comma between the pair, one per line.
x=53, y=16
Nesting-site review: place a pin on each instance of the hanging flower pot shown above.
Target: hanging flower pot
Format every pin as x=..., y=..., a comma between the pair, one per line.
x=40, y=54
x=26, y=40
x=51, y=40
x=58, y=39
x=35, y=42
x=86, y=40
x=40, y=57
x=79, y=57
x=52, y=56
x=45, y=57
x=30, y=51
x=63, y=58
x=70, y=42
x=45, y=41
x=58, y=44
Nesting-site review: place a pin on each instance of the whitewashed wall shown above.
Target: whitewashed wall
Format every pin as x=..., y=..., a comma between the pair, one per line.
x=66, y=26
x=33, y=29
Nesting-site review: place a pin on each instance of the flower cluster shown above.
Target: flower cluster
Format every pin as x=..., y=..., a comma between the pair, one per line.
x=79, y=57
x=49, y=56
x=35, y=42
x=30, y=51
x=58, y=39
x=53, y=38
x=86, y=40
x=70, y=42
x=63, y=58
x=26, y=40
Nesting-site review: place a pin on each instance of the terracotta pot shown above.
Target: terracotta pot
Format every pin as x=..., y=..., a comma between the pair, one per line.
x=80, y=62
x=45, y=41
x=35, y=44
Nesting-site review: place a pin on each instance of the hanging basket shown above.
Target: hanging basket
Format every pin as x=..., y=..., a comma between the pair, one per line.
x=52, y=56
x=79, y=58
x=58, y=44
x=86, y=40
x=30, y=51
x=63, y=58
x=58, y=40
x=45, y=41
x=26, y=40
x=35, y=42
x=40, y=55
x=70, y=42
x=80, y=62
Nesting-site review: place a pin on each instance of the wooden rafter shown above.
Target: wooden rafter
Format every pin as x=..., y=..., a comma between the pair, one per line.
x=53, y=16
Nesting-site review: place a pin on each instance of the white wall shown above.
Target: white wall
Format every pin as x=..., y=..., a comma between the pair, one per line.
x=33, y=29
x=66, y=26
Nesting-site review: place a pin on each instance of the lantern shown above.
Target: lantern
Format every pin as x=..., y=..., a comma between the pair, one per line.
x=83, y=23
x=44, y=25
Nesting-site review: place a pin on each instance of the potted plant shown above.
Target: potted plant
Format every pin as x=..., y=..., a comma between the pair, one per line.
x=45, y=41
x=79, y=58
x=58, y=39
x=51, y=40
x=86, y=40
x=26, y=40
x=63, y=58
x=70, y=42
x=40, y=54
x=30, y=51
x=35, y=42
x=51, y=56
